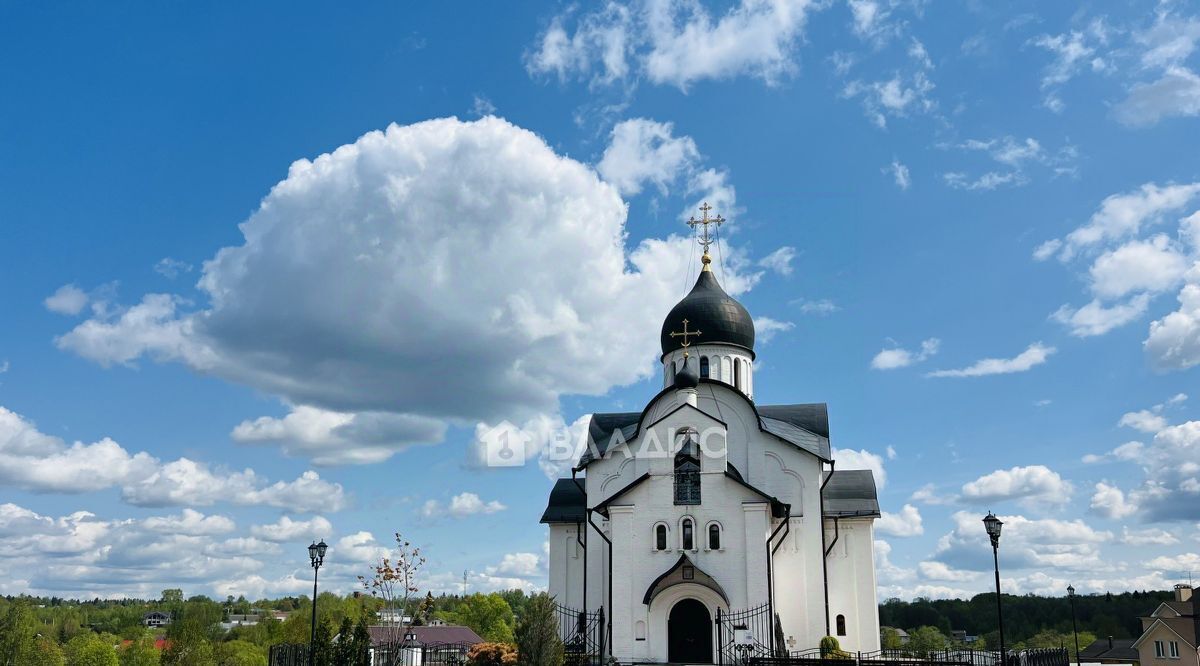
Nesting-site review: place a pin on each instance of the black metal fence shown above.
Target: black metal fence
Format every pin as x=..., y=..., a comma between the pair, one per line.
x=744, y=635
x=903, y=657
x=404, y=654
x=582, y=634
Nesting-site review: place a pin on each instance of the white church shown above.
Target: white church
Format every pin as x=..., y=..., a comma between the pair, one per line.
x=707, y=526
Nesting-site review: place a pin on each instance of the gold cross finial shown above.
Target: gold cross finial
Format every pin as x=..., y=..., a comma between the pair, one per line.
x=705, y=238
x=685, y=333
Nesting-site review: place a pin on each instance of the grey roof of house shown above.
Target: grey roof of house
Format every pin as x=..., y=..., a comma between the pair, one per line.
x=1184, y=608
x=567, y=503
x=427, y=635
x=1120, y=649
x=851, y=493
x=805, y=426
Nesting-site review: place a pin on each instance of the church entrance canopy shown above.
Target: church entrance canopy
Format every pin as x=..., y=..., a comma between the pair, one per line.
x=683, y=571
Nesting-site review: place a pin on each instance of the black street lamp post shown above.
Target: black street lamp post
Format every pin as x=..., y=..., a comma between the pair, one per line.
x=1074, y=627
x=992, y=524
x=316, y=553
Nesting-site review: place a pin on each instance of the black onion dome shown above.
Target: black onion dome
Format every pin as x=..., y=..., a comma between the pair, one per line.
x=708, y=309
x=686, y=378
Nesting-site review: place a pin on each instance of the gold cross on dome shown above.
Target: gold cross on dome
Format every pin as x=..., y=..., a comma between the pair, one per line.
x=685, y=333
x=705, y=238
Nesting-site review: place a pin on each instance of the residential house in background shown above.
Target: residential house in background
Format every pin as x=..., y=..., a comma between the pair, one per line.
x=1110, y=651
x=1169, y=633
x=156, y=619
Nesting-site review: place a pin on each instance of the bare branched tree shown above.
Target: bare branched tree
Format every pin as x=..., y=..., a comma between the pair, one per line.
x=394, y=580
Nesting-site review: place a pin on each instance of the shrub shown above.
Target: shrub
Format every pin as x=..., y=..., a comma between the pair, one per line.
x=832, y=649
x=492, y=654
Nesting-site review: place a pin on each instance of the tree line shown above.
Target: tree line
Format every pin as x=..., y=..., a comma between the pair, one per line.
x=1029, y=620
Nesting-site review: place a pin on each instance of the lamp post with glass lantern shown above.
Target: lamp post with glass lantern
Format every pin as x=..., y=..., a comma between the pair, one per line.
x=316, y=553
x=993, y=524
x=1074, y=627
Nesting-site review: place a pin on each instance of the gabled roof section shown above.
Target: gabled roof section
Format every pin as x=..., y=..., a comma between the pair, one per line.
x=1119, y=649
x=602, y=508
x=683, y=571
x=567, y=503
x=1183, y=627
x=851, y=493
x=778, y=509
x=805, y=426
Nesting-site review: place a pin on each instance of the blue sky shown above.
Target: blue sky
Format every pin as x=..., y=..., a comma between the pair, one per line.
x=268, y=270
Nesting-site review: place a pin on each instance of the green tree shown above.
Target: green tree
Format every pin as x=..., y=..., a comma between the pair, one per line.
x=172, y=596
x=537, y=633
x=362, y=644
x=926, y=639
x=46, y=653
x=240, y=653
x=141, y=652
x=488, y=614
x=889, y=639
x=91, y=650
x=343, y=647
x=18, y=635
x=322, y=645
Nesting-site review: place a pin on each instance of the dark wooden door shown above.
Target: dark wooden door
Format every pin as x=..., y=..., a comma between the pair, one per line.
x=689, y=633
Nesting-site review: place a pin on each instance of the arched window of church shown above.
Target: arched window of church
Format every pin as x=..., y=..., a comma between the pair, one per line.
x=660, y=537
x=737, y=373
x=704, y=366
x=687, y=467
x=714, y=537
x=671, y=373
x=841, y=625
x=689, y=540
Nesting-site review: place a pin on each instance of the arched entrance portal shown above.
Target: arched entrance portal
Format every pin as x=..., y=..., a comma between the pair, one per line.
x=689, y=633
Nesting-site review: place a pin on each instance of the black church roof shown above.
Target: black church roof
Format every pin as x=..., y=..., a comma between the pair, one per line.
x=805, y=426
x=567, y=503
x=718, y=317
x=850, y=493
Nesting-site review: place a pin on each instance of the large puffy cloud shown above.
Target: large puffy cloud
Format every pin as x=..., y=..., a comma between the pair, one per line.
x=287, y=529
x=443, y=270
x=1174, y=340
x=338, y=437
x=644, y=150
x=83, y=555
x=35, y=461
x=905, y=523
x=1036, y=485
x=861, y=459
x=1028, y=543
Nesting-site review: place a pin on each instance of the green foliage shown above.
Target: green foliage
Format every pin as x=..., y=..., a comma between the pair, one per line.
x=889, y=639
x=362, y=644
x=18, y=635
x=47, y=653
x=91, y=650
x=488, y=614
x=141, y=652
x=926, y=639
x=174, y=595
x=537, y=633
x=492, y=654
x=1113, y=615
x=322, y=645
x=832, y=649
x=240, y=653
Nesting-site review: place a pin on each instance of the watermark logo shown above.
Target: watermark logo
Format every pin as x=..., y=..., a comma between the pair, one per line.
x=504, y=445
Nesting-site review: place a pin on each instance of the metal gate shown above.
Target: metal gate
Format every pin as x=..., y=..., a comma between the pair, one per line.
x=744, y=635
x=582, y=634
